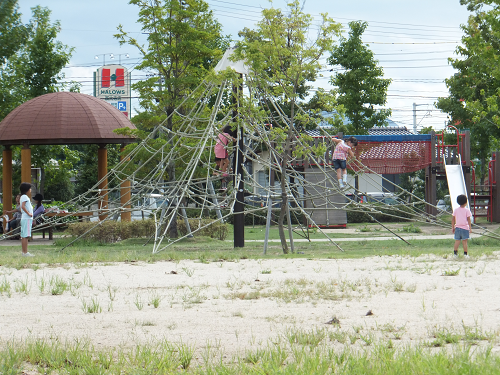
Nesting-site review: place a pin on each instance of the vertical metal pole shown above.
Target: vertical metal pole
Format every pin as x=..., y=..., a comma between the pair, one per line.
x=239, y=216
x=414, y=118
x=269, y=203
x=290, y=231
x=216, y=203
x=186, y=221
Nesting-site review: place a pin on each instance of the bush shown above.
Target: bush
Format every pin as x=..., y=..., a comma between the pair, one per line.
x=386, y=213
x=113, y=231
x=212, y=229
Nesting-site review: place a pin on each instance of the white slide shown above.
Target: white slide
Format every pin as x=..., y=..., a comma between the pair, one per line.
x=456, y=182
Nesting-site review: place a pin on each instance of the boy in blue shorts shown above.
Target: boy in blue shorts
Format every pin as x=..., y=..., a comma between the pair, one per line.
x=460, y=225
x=26, y=217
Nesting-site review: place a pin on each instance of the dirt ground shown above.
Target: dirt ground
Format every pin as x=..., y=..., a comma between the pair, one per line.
x=236, y=306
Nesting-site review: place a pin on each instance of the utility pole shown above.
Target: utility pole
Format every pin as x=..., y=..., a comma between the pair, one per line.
x=415, y=105
x=414, y=118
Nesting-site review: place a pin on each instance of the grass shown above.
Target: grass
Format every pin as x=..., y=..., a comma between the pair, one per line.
x=91, y=307
x=45, y=356
x=206, y=250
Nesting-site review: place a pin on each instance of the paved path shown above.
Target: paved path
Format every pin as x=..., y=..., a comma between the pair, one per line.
x=353, y=239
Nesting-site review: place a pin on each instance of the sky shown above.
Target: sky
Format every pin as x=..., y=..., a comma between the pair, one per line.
x=412, y=40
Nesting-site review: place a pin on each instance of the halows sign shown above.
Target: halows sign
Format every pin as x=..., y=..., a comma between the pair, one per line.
x=112, y=84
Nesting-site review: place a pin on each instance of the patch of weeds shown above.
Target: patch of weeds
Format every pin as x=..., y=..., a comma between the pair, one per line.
x=238, y=314
x=445, y=336
x=92, y=307
x=475, y=333
x=58, y=286
x=185, y=353
x=265, y=272
x=41, y=283
x=193, y=295
x=306, y=338
x=451, y=272
x=203, y=258
x=339, y=336
x=87, y=281
x=254, y=357
x=111, y=292
x=367, y=339
x=366, y=228
x=480, y=269
x=23, y=286
x=412, y=228
x=155, y=299
x=138, y=302
x=411, y=288
x=145, y=323
x=5, y=287
x=188, y=271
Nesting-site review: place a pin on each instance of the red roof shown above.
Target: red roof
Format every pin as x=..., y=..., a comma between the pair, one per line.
x=64, y=118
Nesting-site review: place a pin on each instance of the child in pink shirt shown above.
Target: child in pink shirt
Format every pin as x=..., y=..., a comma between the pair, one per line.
x=460, y=225
x=220, y=151
x=342, y=150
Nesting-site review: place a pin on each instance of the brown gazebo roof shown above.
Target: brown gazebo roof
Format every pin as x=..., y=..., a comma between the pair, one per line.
x=64, y=118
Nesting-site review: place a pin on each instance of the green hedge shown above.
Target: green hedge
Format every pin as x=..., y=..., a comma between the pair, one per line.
x=387, y=214
x=255, y=218
x=113, y=231
x=210, y=228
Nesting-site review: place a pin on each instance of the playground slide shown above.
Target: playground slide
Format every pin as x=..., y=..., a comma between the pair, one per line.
x=456, y=183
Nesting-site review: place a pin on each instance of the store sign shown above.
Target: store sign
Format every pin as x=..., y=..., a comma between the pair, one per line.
x=112, y=84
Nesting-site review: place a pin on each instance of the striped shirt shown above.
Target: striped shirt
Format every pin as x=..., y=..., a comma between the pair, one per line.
x=341, y=151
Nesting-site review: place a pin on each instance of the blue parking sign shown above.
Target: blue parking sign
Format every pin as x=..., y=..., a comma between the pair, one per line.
x=122, y=106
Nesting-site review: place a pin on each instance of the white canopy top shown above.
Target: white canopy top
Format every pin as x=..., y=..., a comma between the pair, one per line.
x=238, y=66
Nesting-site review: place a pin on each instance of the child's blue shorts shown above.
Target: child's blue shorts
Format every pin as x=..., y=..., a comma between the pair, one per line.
x=337, y=163
x=461, y=234
x=26, y=227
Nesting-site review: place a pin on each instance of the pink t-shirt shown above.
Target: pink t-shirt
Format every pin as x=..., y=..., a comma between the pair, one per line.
x=461, y=214
x=220, y=146
x=341, y=151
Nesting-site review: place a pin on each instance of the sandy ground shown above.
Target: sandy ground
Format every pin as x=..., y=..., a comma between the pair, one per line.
x=235, y=306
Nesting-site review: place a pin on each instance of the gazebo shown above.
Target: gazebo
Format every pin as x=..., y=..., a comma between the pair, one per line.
x=63, y=118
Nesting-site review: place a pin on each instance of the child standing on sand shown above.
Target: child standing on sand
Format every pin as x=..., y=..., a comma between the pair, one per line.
x=342, y=149
x=460, y=225
x=26, y=218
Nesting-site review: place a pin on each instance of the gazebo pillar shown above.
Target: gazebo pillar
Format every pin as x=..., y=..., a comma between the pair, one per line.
x=7, y=179
x=26, y=164
x=102, y=171
x=125, y=195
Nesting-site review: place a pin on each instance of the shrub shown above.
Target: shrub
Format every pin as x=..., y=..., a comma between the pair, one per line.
x=386, y=213
x=213, y=229
x=113, y=231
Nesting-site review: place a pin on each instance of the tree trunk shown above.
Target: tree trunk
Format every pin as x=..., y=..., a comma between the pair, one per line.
x=284, y=197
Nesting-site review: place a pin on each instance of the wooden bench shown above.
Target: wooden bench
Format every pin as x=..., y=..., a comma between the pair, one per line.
x=49, y=227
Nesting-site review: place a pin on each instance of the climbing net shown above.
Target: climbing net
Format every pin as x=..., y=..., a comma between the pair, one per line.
x=176, y=163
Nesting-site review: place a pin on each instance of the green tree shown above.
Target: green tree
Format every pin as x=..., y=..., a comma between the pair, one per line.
x=13, y=33
x=13, y=36
x=40, y=63
x=43, y=57
x=283, y=60
x=184, y=42
x=32, y=61
x=475, y=88
x=361, y=86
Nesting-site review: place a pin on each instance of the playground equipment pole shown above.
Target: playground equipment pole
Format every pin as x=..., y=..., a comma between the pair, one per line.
x=239, y=185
